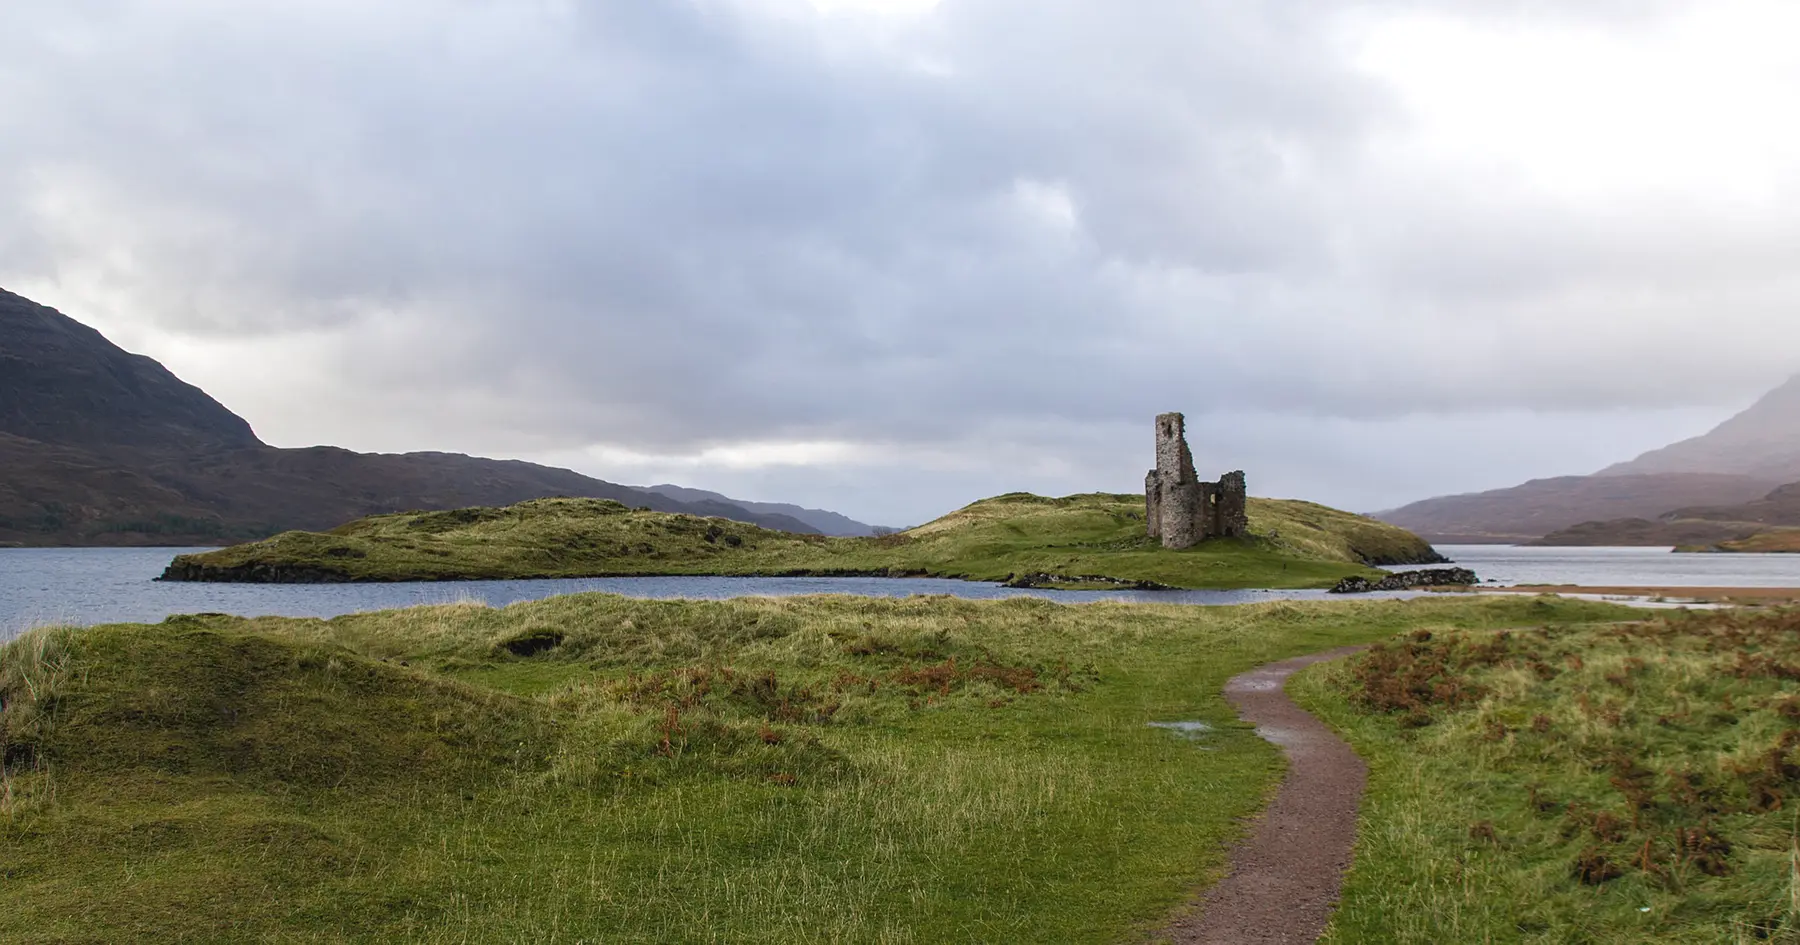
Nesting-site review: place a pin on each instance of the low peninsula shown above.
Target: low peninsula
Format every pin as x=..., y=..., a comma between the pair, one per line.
x=1088, y=540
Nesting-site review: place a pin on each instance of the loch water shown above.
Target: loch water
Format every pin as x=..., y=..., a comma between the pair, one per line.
x=82, y=586
x=106, y=585
x=1623, y=567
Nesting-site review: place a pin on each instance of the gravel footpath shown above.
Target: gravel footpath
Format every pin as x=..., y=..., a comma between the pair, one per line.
x=1285, y=877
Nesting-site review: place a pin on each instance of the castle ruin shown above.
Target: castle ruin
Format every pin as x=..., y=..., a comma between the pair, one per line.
x=1181, y=510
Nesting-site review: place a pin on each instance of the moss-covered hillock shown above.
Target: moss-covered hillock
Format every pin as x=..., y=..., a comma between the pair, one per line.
x=187, y=700
x=1293, y=544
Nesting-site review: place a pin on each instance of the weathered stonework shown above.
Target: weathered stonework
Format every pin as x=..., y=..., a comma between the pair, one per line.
x=1179, y=509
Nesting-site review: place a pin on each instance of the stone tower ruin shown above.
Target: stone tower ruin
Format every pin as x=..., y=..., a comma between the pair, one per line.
x=1181, y=510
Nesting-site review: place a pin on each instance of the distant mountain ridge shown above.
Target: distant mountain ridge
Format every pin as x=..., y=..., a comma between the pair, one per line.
x=1672, y=495
x=1526, y=512
x=829, y=523
x=101, y=446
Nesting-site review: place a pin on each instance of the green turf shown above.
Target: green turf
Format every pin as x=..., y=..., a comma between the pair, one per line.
x=1622, y=783
x=1293, y=544
x=599, y=769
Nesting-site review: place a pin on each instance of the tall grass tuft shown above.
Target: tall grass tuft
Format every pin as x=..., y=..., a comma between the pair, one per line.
x=1793, y=914
x=32, y=666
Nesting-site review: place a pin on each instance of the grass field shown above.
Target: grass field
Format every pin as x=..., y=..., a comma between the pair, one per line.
x=1627, y=783
x=599, y=769
x=1072, y=539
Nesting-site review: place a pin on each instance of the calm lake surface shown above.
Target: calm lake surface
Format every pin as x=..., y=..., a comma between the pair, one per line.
x=1623, y=567
x=105, y=585
x=116, y=585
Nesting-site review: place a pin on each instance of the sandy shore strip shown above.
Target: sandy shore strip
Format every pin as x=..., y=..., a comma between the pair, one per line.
x=1709, y=595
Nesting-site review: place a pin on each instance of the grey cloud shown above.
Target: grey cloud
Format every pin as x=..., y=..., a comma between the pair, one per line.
x=669, y=226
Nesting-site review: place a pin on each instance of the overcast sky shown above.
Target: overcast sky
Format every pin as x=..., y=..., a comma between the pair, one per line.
x=890, y=256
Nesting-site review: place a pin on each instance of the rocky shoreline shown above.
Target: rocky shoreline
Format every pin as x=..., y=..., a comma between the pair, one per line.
x=1407, y=580
x=258, y=573
x=182, y=569
x=1063, y=581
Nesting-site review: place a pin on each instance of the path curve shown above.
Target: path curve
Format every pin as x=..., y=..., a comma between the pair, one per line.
x=1285, y=877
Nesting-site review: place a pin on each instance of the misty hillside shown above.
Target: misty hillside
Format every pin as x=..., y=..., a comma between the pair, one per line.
x=1763, y=442
x=1726, y=475
x=1536, y=508
x=1695, y=526
x=101, y=446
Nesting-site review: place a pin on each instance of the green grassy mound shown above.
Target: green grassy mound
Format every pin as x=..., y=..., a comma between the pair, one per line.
x=1073, y=540
x=1630, y=782
x=183, y=700
x=594, y=768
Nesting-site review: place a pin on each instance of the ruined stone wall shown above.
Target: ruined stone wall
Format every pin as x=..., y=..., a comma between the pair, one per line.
x=1181, y=511
x=1172, y=496
x=1231, y=509
x=1174, y=464
x=1183, y=515
x=1153, y=503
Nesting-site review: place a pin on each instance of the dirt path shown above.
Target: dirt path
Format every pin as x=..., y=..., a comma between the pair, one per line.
x=1285, y=876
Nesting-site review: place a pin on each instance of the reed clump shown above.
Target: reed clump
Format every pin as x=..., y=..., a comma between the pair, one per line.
x=32, y=668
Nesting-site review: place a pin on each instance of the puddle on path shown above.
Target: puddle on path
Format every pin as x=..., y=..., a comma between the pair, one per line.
x=1257, y=681
x=1187, y=731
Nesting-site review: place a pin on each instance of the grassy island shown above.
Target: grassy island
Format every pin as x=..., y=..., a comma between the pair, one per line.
x=600, y=769
x=1081, y=540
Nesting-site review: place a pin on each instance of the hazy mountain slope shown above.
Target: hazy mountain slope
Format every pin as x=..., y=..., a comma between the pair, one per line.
x=1780, y=507
x=1706, y=478
x=1730, y=526
x=63, y=382
x=1642, y=532
x=827, y=522
x=59, y=495
x=1763, y=442
x=51, y=494
x=1542, y=506
x=100, y=446
x=323, y=486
